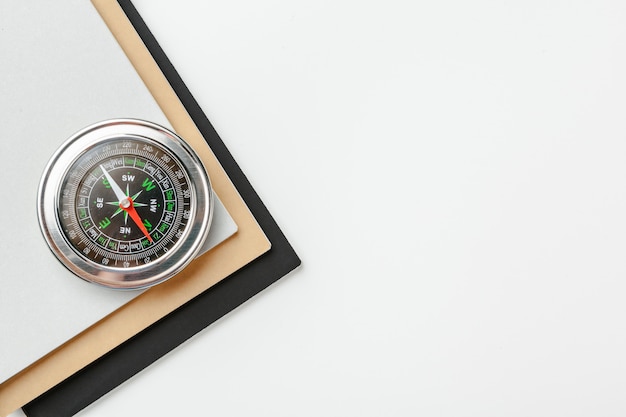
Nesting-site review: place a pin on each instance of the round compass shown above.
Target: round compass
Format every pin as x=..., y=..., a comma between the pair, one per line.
x=125, y=204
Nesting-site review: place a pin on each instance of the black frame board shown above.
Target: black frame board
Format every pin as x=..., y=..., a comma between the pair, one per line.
x=95, y=380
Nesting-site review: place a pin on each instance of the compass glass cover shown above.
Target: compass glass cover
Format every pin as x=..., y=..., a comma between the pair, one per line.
x=157, y=195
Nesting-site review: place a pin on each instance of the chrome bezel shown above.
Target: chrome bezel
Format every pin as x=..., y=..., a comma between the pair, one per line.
x=135, y=277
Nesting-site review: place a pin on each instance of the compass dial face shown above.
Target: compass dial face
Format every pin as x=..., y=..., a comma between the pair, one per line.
x=125, y=204
x=154, y=184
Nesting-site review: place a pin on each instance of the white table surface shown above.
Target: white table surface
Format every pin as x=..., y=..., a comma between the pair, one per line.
x=452, y=176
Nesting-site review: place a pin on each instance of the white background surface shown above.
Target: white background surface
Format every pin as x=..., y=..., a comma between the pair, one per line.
x=452, y=175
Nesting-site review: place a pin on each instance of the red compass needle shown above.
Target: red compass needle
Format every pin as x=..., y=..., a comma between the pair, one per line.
x=127, y=205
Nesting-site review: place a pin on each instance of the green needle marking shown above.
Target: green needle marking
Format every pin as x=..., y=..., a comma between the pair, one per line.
x=119, y=209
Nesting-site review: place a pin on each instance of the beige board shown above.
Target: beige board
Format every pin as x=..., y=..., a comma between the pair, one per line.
x=246, y=245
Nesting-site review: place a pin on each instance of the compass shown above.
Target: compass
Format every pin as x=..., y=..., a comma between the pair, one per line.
x=125, y=204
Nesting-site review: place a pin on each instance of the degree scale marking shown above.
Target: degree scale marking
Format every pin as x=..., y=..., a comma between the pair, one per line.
x=108, y=156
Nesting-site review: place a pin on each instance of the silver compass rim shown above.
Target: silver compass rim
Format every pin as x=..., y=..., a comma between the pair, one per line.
x=136, y=277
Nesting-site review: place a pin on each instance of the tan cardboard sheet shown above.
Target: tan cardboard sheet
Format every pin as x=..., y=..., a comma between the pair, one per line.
x=246, y=245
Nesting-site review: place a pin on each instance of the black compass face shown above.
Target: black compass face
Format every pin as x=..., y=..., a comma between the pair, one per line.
x=125, y=203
